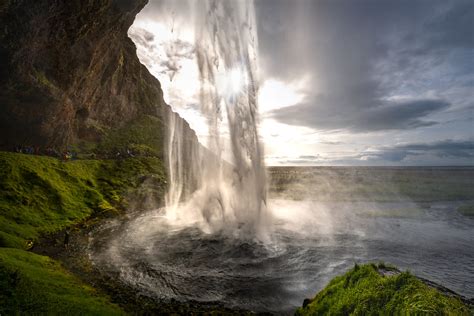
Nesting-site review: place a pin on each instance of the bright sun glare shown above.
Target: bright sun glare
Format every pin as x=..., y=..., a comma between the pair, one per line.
x=232, y=82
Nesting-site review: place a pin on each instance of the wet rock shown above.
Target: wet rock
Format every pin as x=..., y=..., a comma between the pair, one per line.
x=306, y=302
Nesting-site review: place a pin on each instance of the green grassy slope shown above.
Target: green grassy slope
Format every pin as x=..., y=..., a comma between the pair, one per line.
x=37, y=285
x=42, y=194
x=364, y=291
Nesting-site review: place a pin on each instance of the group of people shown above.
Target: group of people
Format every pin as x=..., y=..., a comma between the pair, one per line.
x=68, y=154
x=32, y=150
x=49, y=151
x=127, y=153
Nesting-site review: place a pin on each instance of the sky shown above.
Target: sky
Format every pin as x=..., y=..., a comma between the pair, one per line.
x=342, y=82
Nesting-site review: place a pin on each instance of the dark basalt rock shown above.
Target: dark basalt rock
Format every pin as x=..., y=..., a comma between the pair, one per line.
x=70, y=73
x=306, y=302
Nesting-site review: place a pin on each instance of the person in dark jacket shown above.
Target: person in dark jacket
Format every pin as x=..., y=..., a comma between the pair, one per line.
x=66, y=238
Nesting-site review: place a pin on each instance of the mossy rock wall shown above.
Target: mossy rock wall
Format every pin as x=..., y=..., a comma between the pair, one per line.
x=69, y=74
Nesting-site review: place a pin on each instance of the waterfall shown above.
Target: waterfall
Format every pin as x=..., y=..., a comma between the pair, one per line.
x=231, y=194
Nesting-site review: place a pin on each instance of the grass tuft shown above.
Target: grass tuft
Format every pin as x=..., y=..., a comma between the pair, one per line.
x=365, y=291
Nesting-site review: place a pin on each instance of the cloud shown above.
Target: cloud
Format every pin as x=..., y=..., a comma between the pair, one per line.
x=148, y=37
x=328, y=142
x=308, y=157
x=446, y=148
x=458, y=149
x=399, y=115
x=363, y=71
x=453, y=27
x=275, y=94
x=362, y=53
x=179, y=49
x=166, y=56
x=457, y=152
x=142, y=37
x=324, y=115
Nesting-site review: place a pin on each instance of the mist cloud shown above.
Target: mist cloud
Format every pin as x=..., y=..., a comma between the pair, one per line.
x=442, y=149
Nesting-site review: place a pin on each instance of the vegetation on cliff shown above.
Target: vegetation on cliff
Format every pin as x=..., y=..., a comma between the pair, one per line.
x=70, y=72
x=41, y=195
x=70, y=80
x=143, y=136
x=380, y=290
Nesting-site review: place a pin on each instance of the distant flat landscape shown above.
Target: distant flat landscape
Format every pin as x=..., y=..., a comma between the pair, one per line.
x=384, y=184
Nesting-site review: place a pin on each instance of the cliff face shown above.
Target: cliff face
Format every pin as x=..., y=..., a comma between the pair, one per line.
x=69, y=72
